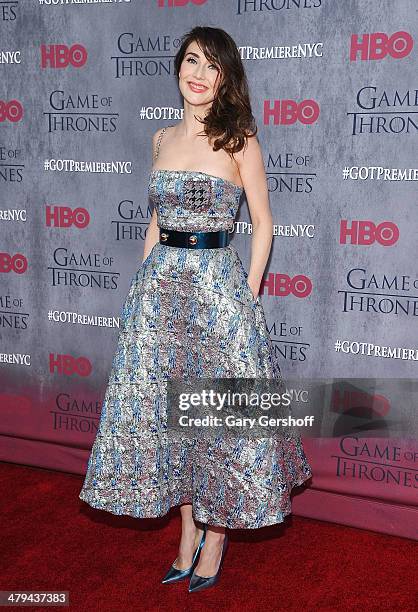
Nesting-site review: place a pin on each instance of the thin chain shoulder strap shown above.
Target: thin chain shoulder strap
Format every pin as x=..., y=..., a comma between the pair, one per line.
x=160, y=137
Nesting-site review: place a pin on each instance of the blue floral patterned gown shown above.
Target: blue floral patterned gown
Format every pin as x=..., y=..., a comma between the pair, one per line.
x=189, y=313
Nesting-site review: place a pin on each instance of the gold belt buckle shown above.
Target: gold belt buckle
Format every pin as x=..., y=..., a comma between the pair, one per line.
x=193, y=239
x=163, y=236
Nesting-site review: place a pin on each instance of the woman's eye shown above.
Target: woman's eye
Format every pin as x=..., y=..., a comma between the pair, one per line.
x=192, y=59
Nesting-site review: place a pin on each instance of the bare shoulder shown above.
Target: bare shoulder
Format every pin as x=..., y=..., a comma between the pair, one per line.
x=251, y=155
x=156, y=137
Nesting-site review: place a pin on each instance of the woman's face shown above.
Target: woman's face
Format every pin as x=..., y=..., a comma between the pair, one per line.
x=198, y=78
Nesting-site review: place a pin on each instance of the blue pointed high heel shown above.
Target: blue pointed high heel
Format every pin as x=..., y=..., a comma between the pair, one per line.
x=198, y=583
x=175, y=575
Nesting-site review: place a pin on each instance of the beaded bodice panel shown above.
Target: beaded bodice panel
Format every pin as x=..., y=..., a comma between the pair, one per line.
x=189, y=200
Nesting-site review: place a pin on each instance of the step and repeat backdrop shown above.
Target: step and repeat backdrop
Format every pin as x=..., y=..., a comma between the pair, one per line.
x=84, y=84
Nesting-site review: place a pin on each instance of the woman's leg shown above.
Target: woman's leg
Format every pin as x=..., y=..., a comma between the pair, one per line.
x=211, y=552
x=191, y=534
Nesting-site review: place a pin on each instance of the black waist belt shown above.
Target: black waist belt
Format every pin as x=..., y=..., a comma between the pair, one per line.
x=194, y=240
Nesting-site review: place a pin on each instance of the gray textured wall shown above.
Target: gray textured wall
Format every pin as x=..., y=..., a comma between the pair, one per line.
x=318, y=196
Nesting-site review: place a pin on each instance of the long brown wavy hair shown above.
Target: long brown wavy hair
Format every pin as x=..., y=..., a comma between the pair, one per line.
x=230, y=120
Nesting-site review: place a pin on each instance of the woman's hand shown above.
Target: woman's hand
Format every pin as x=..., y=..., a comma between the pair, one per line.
x=255, y=288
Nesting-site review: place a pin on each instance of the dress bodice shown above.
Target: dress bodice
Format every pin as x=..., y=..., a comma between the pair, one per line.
x=189, y=200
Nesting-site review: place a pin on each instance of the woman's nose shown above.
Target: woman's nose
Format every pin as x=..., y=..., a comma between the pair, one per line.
x=200, y=72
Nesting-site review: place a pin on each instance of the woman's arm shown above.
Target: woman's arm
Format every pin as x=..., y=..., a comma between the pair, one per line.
x=153, y=235
x=153, y=232
x=253, y=176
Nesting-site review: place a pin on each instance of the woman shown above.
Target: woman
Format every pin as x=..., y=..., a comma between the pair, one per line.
x=192, y=310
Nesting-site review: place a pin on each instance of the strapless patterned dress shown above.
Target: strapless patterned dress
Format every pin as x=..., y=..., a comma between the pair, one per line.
x=189, y=313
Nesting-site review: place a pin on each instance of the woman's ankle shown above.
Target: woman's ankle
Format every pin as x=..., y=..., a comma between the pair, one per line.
x=215, y=533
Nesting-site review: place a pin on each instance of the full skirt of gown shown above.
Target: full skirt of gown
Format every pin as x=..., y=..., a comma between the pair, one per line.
x=189, y=313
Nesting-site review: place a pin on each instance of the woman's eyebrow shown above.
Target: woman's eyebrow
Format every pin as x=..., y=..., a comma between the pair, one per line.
x=196, y=55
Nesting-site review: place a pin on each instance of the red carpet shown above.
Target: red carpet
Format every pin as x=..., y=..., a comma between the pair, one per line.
x=52, y=540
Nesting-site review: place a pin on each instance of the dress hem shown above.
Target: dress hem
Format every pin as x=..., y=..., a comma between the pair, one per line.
x=196, y=515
